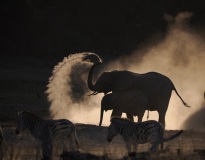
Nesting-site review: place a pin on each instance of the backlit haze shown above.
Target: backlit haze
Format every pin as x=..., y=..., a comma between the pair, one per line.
x=180, y=55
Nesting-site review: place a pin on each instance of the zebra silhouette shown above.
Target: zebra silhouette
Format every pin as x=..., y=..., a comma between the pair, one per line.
x=46, y=131
x=138, y=133
x=1, y=144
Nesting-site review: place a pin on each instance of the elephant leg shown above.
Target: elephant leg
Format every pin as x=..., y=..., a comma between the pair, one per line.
x=130, y=116
x=140, y=118
x=162, y=118
x=162, y=109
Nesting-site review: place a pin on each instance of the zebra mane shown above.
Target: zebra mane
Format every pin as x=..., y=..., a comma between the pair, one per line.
x=115, y=118
x=29, y=113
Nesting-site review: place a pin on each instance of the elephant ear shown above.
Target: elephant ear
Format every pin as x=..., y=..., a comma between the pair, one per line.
x=123, y=82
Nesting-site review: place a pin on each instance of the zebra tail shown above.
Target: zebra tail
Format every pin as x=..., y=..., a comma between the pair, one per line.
x=172, y=137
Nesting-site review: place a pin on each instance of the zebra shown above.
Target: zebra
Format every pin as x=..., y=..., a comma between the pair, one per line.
x=1, y=144
x=46, y=131
x=138, y=133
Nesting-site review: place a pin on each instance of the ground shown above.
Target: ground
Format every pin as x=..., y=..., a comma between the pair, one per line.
x=92, y=139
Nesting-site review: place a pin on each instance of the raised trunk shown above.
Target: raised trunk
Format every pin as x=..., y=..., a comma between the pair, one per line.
x=101, y=116
x=90, y=75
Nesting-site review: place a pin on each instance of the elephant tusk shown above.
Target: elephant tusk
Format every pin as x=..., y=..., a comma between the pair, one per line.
x=94, y=93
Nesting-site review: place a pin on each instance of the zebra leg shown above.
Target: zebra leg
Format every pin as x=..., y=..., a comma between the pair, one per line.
x=38, y=147
x=64, y=145
x=1, y=153
x=153, y=147
x=1, y=145
x=162, y=146
x=47, y=150
x=128, y=146
x=76, y=140
x=135, y=145
x=47, y=145
x=73, y=140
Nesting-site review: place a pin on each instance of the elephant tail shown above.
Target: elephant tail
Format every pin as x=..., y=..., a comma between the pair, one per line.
x=180, y=96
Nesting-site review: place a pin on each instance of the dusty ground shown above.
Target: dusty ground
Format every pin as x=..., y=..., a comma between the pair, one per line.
x=93, y=140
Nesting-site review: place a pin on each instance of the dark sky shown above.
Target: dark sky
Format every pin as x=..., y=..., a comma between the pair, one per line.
x=43, y=27
x=40, y=33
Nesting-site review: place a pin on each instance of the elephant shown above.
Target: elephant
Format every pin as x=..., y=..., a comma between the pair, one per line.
x=131, y=102
x=155, y=86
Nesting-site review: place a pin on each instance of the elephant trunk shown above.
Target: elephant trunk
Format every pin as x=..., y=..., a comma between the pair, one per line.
x=101, y=116
x=90, y=75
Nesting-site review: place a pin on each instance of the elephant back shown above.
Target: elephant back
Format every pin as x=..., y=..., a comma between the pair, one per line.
x=154, y=85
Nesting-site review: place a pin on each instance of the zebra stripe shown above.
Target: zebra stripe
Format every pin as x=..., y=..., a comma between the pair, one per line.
x=46, y=130
x=138, y=133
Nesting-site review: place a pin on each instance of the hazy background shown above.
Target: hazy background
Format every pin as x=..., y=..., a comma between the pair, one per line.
x=180, y=56
x=141, y=36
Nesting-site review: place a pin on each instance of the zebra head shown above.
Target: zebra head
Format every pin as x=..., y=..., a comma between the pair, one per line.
x=21, y=125
x=111, y=132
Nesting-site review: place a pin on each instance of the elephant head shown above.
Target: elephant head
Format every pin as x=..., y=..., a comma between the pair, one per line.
x=109, y=81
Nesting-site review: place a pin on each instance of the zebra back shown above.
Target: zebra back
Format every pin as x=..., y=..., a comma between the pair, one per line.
x=47, y=131
x=58, y=129
x=141, y=132
x=27, y=120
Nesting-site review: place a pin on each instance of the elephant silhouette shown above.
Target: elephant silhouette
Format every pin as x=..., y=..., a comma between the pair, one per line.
x=156, y=87
x=132, y=102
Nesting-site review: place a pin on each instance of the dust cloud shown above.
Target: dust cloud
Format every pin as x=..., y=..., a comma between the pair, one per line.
x=180, y=55
x=67, y=89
